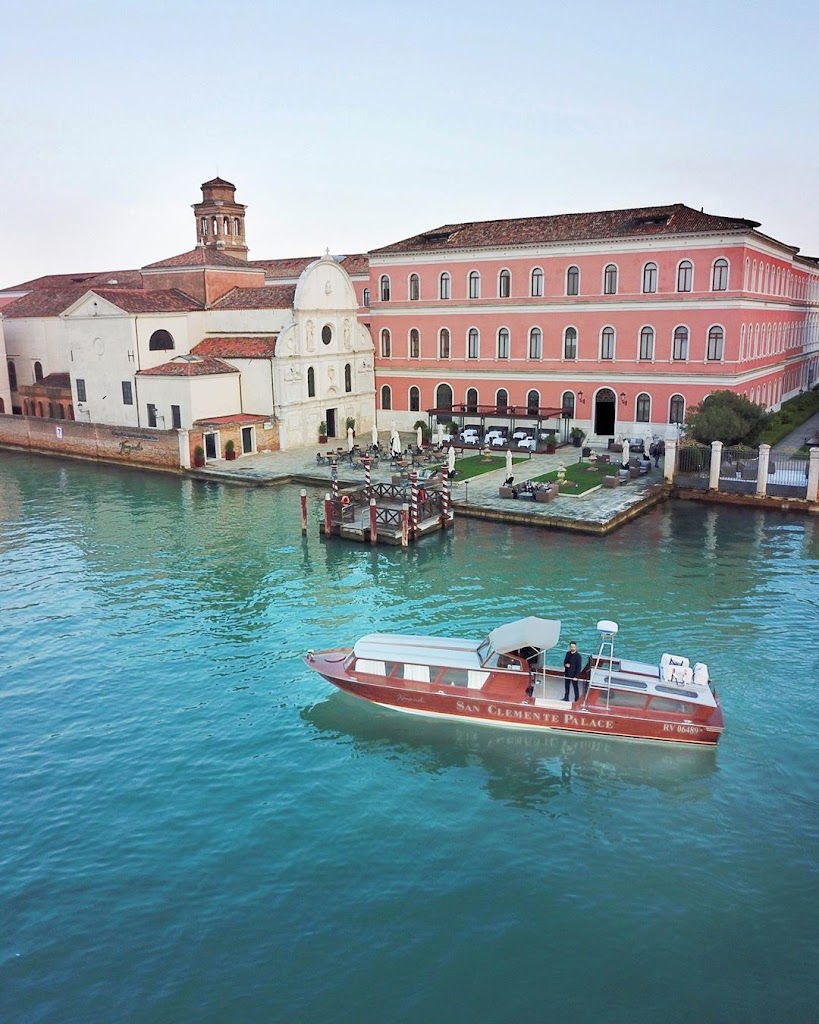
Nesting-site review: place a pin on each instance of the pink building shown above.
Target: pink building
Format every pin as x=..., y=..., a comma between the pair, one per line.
x=622, y=319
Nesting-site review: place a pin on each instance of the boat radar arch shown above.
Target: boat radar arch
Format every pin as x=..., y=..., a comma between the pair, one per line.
x=607, y=627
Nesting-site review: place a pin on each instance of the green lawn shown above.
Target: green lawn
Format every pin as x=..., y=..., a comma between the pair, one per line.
x=477, y=465
x=582, y=475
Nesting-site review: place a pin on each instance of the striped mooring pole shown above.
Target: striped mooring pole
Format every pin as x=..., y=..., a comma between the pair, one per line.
x=404, y=525
x=445, y=499
x=414, y=502
x=367, y=476
x=328, y=515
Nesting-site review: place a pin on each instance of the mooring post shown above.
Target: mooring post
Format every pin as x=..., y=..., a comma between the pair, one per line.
x=373, y=522
x=303, y=493
x=367, y=485
x=445, y=499
x=334, y=477
x=328, y=515
x=404, y=525
x=414, y=500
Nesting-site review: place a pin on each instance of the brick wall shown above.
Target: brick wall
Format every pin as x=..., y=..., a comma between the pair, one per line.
x=154, y=449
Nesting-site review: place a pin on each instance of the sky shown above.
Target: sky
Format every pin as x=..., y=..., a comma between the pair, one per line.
x=352, y=125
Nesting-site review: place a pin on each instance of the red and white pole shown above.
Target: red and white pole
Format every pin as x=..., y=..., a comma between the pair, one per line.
x=334, y=476
x=367, y=476
x=404, y=525
x=373, y=522
x=445, y=499
x=414, y=500
x=303, y=511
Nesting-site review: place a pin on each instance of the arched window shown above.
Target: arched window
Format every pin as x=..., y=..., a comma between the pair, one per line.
x=607, y=343
x=643, y=406
x=504, y=284
x=414, y=344
x=567, y=404
x=719, y=276
x=535, y=343
x=716, y=343
x=38, y=371
x=445, y=286
x=502, y=399
x=680, y=346
x=472, y=400
x=649, y=278
x=685, y=276
x=503, y=343
x=414, y=399
x=386, y=397
x=533, y=402
x=570, y=343
x=386, y=344
x=474, y=284
x=348, y=378
x=676, y=409
x=160, y=341
x=311, y=382
x=204, y=227
x=366, y=297
x=610, y=280
x=443, y=397
x=573, y=281
x=443, y=343
x=414, y=288
x=40, y=409
x=384, y=288
x=237, y=227
x=473, y=341
x=536, y=287
x=215, y=226
x=647, y=343
x=226, y=225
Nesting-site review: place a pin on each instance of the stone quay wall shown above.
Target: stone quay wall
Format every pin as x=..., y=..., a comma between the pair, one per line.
x=149, y=449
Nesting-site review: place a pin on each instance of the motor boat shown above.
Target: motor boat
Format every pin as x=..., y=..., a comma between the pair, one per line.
x=504, y=679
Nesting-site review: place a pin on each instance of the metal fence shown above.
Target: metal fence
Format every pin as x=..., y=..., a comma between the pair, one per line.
x=693, y=466
x=738, y=470
x=788, y=477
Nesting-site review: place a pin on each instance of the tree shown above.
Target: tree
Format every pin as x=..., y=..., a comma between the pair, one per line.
x=724, y=416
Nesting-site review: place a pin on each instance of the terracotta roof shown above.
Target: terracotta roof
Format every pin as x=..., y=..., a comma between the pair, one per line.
x=292, y=267
x=123, y=279
x=239, y=417
x=277, y=296
x=569, y=227
x=188, y=366
x=201, y=256
x=237, y=348
x=44, y=302
x=55, y=381
x=218, y=181
x=166, y=301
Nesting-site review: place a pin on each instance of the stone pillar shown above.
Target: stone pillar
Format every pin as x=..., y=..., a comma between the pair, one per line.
x=184, y=449
x=762, y=471
x=670, y=459
x=813, y=474
x=716, y=462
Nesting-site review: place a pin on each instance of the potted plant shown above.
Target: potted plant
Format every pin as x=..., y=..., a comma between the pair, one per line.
x=551, y=443
x=199, y=456
x=577, y=435
x=230, y=451
x=424, y=430
x=322, y=433
x=350, y=424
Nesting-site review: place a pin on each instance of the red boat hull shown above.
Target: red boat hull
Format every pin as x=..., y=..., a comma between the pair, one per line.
x=523, y=714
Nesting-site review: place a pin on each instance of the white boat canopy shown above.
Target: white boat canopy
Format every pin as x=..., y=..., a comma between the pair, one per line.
x=541, y=634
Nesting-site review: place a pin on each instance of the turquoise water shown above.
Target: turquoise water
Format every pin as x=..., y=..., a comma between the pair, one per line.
x=195, y=828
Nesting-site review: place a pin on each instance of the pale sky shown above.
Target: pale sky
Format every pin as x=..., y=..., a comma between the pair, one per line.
x=353, y=125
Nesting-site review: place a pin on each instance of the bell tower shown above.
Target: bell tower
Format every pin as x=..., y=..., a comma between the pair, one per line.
x=220, y=220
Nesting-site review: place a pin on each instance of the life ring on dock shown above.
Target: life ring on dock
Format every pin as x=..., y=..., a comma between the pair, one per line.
x=345, y=500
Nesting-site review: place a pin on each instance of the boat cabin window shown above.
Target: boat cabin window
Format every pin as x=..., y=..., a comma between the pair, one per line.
x=374, y=668
x=676, y=691
x=454, y=677
x=496, y=660
x=417, y=673
x=677, y=707
x=622, y=699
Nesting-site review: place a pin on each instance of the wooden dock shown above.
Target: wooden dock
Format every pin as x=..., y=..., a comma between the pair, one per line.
x=393, y=514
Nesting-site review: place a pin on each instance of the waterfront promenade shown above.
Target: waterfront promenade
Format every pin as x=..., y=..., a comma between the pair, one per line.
x=598, y=511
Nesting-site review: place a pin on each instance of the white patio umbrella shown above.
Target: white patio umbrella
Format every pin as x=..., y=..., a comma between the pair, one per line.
x=419, y=436
x=625, y=453
x=439, y=434
x=349, y=439
x=395, y=442
x=508, y=461
x=374, y=436
x=450, y=459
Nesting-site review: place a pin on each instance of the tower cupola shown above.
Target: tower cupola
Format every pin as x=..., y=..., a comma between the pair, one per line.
x=220, y=220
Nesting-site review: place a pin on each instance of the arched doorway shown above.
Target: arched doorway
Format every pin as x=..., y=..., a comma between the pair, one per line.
x=605, y=407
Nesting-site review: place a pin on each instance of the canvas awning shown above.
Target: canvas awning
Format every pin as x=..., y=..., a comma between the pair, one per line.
x=542, y=634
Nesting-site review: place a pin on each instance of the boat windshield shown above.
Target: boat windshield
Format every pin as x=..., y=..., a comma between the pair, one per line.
x=483, y=650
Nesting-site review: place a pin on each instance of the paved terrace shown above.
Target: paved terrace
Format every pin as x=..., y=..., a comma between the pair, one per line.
x=597, y=512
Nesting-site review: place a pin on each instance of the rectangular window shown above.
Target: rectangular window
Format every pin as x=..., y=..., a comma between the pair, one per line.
x=176, y=417
x=81, y=396
x=151, y=415
x=127, y=393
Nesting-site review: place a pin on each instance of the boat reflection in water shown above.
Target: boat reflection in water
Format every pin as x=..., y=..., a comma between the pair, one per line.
x=523, y=768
